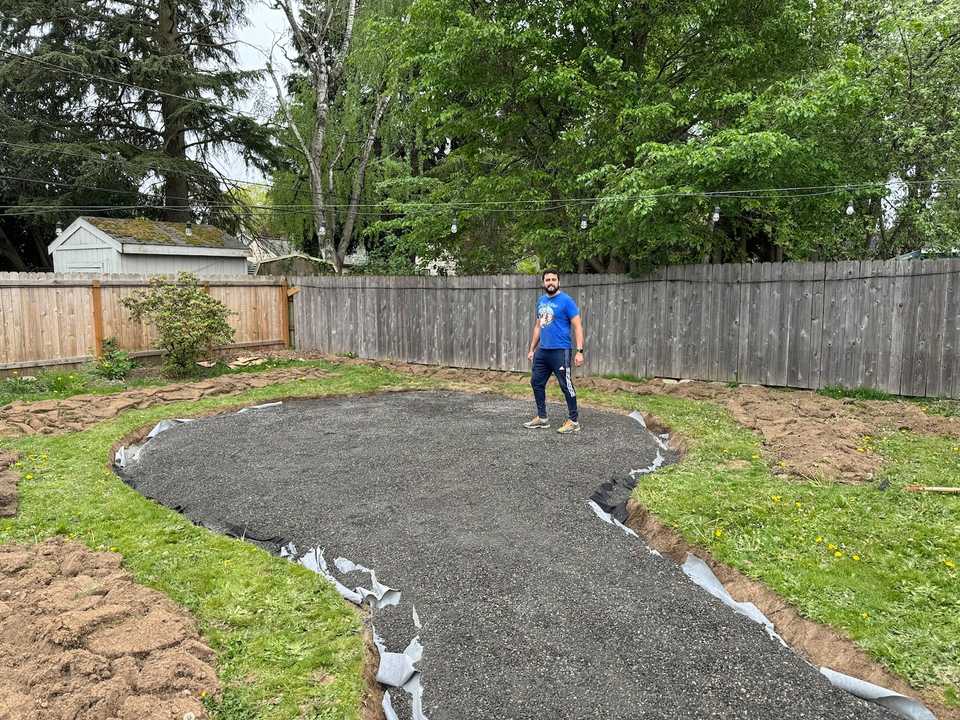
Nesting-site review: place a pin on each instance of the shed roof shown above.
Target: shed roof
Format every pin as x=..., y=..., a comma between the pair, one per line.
x=141, y=231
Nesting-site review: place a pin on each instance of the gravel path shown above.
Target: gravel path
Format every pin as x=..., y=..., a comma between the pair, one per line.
x=531, y=607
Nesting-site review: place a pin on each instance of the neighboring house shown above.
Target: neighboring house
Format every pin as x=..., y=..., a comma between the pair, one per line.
x=294, y=264
x=928, y=253
x=266, y=247
x=354, y=259
x=147, y=247
x=446, y=266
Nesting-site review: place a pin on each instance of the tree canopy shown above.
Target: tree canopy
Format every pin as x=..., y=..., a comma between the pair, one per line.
x=603, y=135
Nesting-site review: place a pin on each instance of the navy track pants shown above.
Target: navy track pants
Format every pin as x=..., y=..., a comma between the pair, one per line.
x=559, y=362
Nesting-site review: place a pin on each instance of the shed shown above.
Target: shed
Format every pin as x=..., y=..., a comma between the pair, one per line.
x=146, y=247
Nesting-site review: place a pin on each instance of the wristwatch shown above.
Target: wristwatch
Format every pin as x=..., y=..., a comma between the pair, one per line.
x=580, y=350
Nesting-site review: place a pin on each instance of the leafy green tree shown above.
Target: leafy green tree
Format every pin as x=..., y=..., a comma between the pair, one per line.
x=643, y=108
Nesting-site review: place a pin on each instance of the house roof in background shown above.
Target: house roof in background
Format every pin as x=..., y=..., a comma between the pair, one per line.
x=141, y=231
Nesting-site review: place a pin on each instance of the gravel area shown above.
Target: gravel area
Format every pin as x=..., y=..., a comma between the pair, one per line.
x=531, y=607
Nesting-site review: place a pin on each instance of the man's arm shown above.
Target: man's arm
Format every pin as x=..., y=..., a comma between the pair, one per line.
x=578, y=339
x=535, y=338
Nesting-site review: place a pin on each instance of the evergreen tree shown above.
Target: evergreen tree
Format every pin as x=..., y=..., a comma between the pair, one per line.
x=120, y=104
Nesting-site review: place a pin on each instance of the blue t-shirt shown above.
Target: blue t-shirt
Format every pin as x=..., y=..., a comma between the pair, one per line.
x=554, y=314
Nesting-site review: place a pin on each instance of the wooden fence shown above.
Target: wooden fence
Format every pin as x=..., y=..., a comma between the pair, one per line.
x=58, y=319
x=892, y=325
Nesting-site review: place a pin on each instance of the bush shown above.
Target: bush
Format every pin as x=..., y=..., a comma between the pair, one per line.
x=189, y=322
x=113, y=363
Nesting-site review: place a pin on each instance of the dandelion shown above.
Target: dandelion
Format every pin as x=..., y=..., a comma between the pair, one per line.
x=28, y=476
x=775, y=498
x=950, y=564
x=819, y=539
x=865, y=616
x=856, y=557
x=838, y=554
x=718, y=533
x=831, y=546
x=755, y=456
x=860, y=450
x=798, y=504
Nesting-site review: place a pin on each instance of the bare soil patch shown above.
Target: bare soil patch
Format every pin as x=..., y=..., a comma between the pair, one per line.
x=804, y=434
x=8, y=484
x=80, y=640
x=49, y=417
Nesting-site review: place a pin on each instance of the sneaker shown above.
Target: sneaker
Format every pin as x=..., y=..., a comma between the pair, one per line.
x=569, y=426
x=537, y=422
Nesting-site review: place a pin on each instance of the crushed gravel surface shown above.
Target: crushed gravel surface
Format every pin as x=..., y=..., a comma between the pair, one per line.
x=531, y=607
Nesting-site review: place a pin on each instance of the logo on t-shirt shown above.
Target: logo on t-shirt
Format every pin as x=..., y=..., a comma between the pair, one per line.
x=545, y=312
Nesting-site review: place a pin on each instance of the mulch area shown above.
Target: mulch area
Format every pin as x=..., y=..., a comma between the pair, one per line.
x=80, y=640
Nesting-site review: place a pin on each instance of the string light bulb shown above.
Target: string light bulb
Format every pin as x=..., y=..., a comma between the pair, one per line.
x=189, y=229
x=59, y=228
x=850, y=209
x=715, y=218
x=454, y=227
x=583, y=221
x=322, y=230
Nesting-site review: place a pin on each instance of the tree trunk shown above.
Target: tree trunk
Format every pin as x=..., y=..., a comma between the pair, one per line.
x=7, y=250
x=176, y=188
x=358, y=178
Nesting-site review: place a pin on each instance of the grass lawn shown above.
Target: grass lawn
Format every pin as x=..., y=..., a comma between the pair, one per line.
x=881, y=565
x=287, y=646
x=878, y=564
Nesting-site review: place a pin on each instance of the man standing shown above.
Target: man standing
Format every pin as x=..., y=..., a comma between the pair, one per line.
x=551, y=353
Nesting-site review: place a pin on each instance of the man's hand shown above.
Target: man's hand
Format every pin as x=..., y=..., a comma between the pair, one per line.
x=578, y=359
x=530, y=356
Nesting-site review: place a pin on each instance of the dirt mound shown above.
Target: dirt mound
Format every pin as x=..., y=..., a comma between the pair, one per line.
x=49, y=417
x=80, y=640
x=8, y=484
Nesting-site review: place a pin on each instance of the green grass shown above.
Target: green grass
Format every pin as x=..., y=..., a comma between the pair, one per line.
x=895, y=589
x=860, y=393
x=276, y=628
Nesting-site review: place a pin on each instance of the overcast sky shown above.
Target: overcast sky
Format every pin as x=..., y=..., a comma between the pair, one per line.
x=265, y=24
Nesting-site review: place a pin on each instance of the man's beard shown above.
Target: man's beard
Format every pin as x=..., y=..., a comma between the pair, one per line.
x=552, y=289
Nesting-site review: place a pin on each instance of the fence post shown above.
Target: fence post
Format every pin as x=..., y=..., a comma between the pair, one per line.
x=284, y=313
x=97, y=318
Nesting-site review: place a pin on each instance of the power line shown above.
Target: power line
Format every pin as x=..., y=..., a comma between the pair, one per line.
x=124, y=161
x=122, y=83
x=742, y=194
x=746, y=194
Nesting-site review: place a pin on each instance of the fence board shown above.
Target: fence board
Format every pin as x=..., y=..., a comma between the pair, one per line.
x=49, y=319
x=798, y=325
x=892, y=325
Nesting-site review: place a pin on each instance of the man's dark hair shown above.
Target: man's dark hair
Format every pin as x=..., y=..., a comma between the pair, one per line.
x=549, y=271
